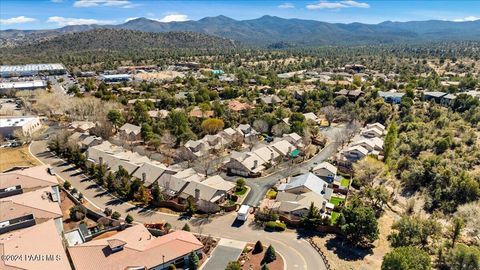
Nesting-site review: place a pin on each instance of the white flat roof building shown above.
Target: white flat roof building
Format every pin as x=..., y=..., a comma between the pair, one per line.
x=28, y=85
x=30, y=69
x=28, y=125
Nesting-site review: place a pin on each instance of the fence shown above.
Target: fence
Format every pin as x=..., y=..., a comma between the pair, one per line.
x=320, y=252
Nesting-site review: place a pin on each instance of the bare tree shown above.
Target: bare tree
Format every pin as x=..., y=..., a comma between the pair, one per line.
x=260, y=125
x=330, y=113
x=207, y=164
x=25, y=137
x=279, y=129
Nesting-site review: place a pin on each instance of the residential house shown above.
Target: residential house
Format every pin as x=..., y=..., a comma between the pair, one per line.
x=311, y=116
x=297, y=205
x=135, y=248
x=238, y=106
x=350, y=94
x=270, y=99
x=391, y=97
x=355, y=153
x=26, y=209
x=371, y=132
x=40, y=246
x=115, y=157
x=129, y=132
x=448, y=100
x=325, y=171
x=284, y=148
x=293, y=138
x=199, y=113
x=208, y=193
x=151, y=171
x=158, y=114
x=27, y=180
x=245, y=164
x=90, y=141
x=305, y=183
x=433, y=95
x=82, y=126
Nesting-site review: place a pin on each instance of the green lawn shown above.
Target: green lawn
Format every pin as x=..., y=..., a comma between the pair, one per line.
x=336, y=200
x=335, y=215
x=271, y=194
x=344, y=182
x=241, y=191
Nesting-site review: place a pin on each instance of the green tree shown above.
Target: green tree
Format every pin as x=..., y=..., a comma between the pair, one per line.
x=116, y=118
x=177, y=123
x=463, y=257
x=313, y=218
x=67, y=185
x=258, y=248
x=157, y=195
x=186, y=227
x=233, y=265
x=456, y=230
x=270, y=255
x=116, y=215
x=414, y=231
x=78, y=212
x=129, y=219
x=212, y=125
x=191, y=207
x=193, y=260
x=360, y=226
x=406, y=258
x=390, y=141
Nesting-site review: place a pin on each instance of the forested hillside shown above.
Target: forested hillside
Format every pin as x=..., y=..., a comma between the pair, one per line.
x=124, y=44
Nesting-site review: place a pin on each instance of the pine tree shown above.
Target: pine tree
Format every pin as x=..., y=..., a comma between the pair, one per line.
x=156, y=194
x=258, y=247
x=193, y=261
x=270, y=255
x=186, y=227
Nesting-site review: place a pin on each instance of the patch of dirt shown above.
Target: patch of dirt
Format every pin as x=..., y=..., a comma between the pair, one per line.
x=65, y=205
x=345, y=257
x=251, y=261
x=18, y=156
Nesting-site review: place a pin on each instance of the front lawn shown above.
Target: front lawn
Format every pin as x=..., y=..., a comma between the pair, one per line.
x=345, y=182
x=240, y=191
x=336, y=200
x=335, y=215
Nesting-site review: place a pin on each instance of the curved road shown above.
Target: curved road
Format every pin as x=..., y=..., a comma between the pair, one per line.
x=297, y=253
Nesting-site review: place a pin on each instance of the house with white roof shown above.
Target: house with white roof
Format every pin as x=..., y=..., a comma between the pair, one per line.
x=129, y=132
x=305, y=183
x=325, y=171
x=355, y=153
x=245, y=164
x=297, y=205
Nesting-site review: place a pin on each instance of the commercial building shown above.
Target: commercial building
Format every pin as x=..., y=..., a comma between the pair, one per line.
x=31, y=70
x=116, y=78
x=27, y=85
x=28, y=125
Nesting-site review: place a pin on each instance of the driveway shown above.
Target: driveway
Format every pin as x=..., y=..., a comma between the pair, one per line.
x=297, y=252
x=259, y=186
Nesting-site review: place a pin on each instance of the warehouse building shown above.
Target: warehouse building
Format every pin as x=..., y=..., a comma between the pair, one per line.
x=116, y=78
x=7, y=71
x=27, y=85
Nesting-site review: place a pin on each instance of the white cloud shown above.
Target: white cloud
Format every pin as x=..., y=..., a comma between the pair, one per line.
x=337, y=5
x=17, y=20
x=174, y=18
x=62, y=21
x=286, y=5
x=56, y=1
x=467, y=19
x=103, y=3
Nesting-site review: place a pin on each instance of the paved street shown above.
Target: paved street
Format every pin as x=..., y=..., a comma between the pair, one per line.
x=297, y=252
x=259, y=186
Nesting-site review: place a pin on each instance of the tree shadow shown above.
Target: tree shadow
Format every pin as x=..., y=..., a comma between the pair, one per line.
x=346, y=251
x=115, y=201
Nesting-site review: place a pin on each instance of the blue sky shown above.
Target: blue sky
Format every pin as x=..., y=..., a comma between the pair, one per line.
x=46, y=14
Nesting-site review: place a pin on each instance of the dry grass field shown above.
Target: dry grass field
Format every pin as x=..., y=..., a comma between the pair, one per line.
x=19, y=156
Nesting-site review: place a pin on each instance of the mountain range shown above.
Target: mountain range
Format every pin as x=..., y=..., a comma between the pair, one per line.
x=271, y=31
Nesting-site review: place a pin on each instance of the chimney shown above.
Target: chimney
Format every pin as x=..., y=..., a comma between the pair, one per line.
x=255, y=164
x=289, y=150
x=271, y=156
x=324, y=206
x=197, y=194
x=144, y=177
x=324, y=188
